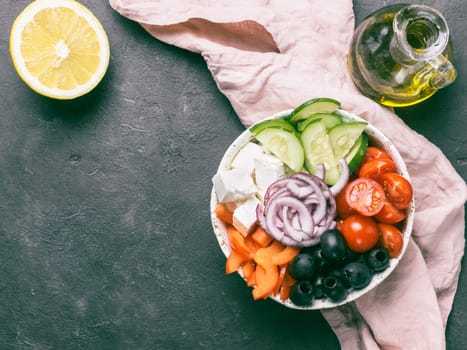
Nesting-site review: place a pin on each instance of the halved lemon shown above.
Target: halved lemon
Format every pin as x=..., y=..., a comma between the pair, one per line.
x=59, y=48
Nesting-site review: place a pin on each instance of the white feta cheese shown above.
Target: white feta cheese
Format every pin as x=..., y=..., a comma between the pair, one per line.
x=245, y=157
x=244, y=216
x=233, y=185
x=268, y=169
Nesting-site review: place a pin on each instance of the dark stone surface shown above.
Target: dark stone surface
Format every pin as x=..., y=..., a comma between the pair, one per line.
x=105, y=236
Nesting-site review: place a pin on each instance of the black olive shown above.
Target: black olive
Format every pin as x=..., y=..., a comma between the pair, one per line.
x=327, y=266
x=350, y=255
x=334, y=288
x=301, y=293
x=333, y=245
x=377, y=259
x=339, y=273
x=303, y=267
x=316, y=251
x=357, y=274
x=318, y=290
x=324, y=266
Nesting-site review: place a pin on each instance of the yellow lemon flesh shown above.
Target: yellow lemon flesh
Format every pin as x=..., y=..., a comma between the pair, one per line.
x=59, y=48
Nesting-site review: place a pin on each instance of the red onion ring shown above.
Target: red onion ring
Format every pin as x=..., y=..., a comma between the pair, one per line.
x=297, y=210
x=343, y=179
x=320, y=171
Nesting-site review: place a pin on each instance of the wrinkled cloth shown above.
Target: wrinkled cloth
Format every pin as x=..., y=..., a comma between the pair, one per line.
x=269, y=56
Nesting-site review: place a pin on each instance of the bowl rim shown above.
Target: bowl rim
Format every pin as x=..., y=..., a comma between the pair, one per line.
x=375, y=137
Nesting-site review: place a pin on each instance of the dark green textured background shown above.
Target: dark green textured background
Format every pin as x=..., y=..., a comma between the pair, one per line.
x=105, y=236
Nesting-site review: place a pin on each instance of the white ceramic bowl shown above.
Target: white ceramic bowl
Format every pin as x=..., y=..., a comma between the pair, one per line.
x=376, y=138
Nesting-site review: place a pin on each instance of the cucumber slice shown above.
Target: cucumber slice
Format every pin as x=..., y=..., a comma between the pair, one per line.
x=355, y=156
x=329, y=120
x=271, y=123
x=285, y=145
x=318, y=149
x=343, y=137
x=316, y=105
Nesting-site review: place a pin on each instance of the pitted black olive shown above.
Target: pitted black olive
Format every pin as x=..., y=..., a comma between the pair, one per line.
x=304, y=267
x=318, y=290
x=377, y=259
x=301, y=293
x=334, y=288
x=356, y=274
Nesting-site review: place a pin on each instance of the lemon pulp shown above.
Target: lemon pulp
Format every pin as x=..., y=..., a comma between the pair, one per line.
x=59, y=48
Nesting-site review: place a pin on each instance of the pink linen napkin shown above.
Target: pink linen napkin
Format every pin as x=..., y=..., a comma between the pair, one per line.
x=268, y=56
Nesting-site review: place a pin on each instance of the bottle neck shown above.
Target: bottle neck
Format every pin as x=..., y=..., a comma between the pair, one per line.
x=420, y=34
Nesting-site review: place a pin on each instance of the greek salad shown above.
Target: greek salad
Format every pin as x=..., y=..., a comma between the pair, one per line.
x=313, y=210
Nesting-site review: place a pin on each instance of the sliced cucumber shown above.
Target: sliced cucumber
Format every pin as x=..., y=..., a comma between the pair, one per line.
x=343, y=137
x=271, y=123
x=355, y=155
x=318, y=149
x=316, y=105
x=285, y=145
x=329, y=120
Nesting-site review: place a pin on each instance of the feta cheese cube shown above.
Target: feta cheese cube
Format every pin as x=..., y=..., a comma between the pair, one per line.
x=268, y=169
x=245, y=157
x=233, y=185
x=244, y=216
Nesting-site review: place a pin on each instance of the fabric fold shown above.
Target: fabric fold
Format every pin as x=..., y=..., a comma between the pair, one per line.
x=269, y=56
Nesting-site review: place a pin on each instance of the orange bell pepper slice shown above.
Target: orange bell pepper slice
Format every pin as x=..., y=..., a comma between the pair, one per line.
x=234, y=261
x=223, y=213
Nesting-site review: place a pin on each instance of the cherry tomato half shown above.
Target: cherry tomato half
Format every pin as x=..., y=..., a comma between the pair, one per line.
x=376, y=167
x=389, y=214
x=360, y=232
x=373, y=152
x=398, y=189
x=390, y=238
x=365, y=195
x=342, y=207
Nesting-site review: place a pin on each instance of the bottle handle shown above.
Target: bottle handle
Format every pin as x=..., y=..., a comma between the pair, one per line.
x=445, y=72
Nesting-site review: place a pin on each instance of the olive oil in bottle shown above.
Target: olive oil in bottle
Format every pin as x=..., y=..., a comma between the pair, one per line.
x=400, y=55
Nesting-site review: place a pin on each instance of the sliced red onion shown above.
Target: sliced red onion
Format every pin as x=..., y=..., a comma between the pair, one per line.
x=260, y=216
x=272, y=194
x=295, y=204
x=272, y=228
x=298, y=209
x=322, y=186
x=332, y=210
x=343, y=179
x=311, y=181
x=291, y=242
x=297, y=232
x=293, y=233
x=319, y=230
x=320, y=211
x=299, y=191
x=310, y=241
x=311, y=199
x=320, y=171
x=296, y=222
x=280, y=184
x=277, y=220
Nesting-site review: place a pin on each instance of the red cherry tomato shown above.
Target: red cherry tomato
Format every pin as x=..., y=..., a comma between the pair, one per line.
x=360, y=232
x=373, y=152
x=376, y=167
x=389, y=214
x=365, y=196
x=398, y=189
x=391, y=239
x=342, y=207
